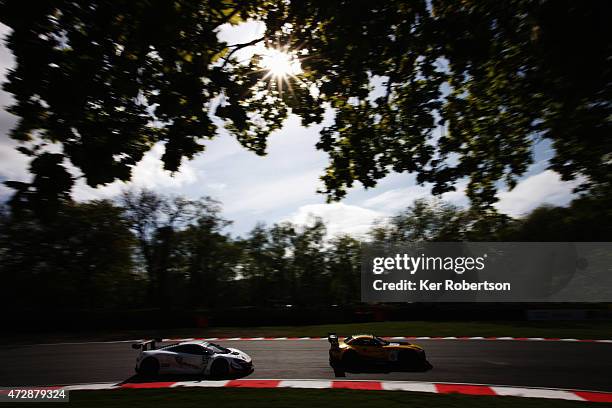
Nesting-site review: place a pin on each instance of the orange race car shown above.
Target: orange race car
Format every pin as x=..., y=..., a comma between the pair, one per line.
x=365, y=350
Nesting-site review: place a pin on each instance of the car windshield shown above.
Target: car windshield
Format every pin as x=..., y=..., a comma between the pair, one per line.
x=217, y=349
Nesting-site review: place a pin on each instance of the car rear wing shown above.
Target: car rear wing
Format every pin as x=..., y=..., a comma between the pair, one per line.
x=146, y=345
x=333, y=340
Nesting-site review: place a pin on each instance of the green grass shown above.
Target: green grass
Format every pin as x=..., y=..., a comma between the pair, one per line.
x=560, y=329
x=296, y=398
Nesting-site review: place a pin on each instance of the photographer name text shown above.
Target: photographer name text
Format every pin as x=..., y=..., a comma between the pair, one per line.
x=426, y=285
x=412, y=264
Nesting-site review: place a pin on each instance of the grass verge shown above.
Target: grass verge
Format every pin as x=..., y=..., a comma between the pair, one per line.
x=550, y=329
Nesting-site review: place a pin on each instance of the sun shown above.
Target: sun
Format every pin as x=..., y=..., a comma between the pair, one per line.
x=279, y=64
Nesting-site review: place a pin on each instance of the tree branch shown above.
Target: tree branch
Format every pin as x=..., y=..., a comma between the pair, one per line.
x=237, y=47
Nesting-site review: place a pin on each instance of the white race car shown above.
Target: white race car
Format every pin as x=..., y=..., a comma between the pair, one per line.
x=191, y=357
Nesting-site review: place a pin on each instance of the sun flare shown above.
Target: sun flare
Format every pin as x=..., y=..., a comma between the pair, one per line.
x=280, y=64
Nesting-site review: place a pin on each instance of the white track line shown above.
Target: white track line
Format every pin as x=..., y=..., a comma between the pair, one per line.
x=538, y=339
x=412, y=386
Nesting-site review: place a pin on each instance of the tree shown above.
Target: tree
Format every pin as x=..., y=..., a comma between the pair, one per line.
x=267, y=263
x=255, y=264
x=343, y=263
x=426, y=220
x=80, y=259
x=291, y=259
x=156, y=221
x=496, y=76
x=309, y=264
x=586, y=219
x=107, y=80
x=209, y=259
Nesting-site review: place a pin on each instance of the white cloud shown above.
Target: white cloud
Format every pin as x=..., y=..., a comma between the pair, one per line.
x=148, y=173
x=82, y=192
x=223, y=147
x=265, y=194
x=6, y=57
x=395, y=200
x=543, y=188
x=151, y=174
x=340, y=218
x=217, y=186
x=5, y=193
x=13, y=165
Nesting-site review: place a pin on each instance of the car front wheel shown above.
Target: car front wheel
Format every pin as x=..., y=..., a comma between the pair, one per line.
x=149, y=367
x=219, y=369
x=410, y=358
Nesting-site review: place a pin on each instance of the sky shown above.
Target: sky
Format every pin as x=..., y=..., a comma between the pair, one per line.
x=282, y=185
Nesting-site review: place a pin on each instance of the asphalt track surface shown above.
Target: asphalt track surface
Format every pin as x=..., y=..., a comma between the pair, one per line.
x=549, y=364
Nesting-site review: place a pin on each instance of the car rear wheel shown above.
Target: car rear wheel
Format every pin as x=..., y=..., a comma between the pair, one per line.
x=219, y=368
x=149, y=367
x=350, y=358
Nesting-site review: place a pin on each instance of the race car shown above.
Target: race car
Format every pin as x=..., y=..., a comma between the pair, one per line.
x=366, y=350
x=191, y=357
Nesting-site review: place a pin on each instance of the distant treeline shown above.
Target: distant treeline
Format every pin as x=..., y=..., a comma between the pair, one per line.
x=147, y=250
